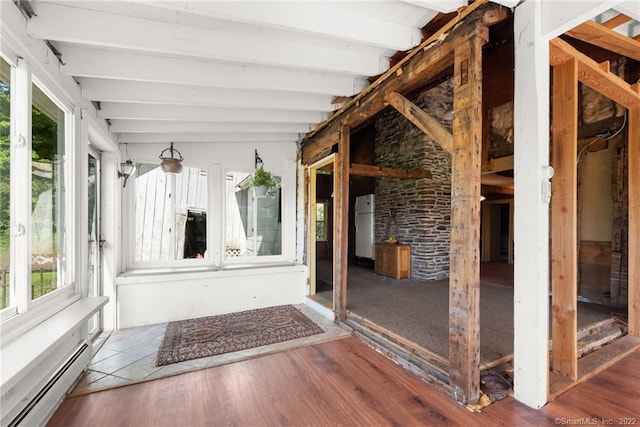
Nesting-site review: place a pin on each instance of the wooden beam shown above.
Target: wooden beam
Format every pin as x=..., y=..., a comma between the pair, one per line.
x=591, y=74
x=422, y=120
x=499, y=164
x=564, y=205
x=606, y=38
x=616, y=21
x=464, y=270
x=634, y=219
x=492, y=189
x=421, y=65
x=341, y=224
x=382, y=172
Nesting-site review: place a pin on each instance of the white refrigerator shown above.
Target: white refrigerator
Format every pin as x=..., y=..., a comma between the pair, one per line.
x=364, y=210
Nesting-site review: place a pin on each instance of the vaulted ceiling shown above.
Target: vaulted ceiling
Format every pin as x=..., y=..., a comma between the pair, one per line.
x=208, y=71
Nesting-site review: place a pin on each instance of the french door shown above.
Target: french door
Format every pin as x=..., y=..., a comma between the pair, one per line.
x=94, y=247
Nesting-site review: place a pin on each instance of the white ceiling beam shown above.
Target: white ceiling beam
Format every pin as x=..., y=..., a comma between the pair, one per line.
x=126, y=111
x=135, y=138
x=630, y=8
x=75, y=25
x=444, y=6
x=559, y=16
x=101, y=63
x=163, y=93
x=169, y=126
x=311, y=18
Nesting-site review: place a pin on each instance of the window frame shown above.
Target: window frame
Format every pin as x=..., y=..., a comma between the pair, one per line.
x=254, y=260
x=25, y=311
x=175, y=264
x=326, y=204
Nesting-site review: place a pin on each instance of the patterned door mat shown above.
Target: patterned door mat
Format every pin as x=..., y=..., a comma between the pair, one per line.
x=208, y=336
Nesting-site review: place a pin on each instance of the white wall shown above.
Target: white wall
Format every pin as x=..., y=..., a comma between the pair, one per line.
x=145, y=300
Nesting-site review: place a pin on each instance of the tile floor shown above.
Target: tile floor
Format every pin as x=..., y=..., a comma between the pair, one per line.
x=129, y=355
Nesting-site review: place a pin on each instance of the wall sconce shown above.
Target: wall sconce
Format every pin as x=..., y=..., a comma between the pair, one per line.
x=126, y=169
x=171, y=164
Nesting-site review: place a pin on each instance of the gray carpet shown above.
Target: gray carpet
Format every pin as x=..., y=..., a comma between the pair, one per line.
x=419, y=311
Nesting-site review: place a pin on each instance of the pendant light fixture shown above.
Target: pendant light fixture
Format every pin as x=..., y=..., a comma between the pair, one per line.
x=169, y=162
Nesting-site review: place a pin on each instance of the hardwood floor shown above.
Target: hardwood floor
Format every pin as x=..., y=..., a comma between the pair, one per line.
x=338, y=382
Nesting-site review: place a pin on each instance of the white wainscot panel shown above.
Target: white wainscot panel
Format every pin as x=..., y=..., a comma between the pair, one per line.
x=147, y=299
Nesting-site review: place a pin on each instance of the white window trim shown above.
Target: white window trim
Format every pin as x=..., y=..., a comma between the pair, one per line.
x=262, y=260
x=25, y=313
x=129, y=229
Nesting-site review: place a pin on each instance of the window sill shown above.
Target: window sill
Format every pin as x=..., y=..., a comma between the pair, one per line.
x=134, y=277
x=26, y=351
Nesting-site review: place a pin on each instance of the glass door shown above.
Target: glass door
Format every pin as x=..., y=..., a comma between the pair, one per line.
x=94, y=247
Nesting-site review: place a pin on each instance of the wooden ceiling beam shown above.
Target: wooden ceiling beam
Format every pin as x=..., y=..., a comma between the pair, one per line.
x=422, y=120
x=606, y=38
x=415, y=70
x=591, y=74
x=616, y=21
x=383, y=172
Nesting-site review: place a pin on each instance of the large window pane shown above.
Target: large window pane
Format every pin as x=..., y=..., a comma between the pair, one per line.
x=47, y=195
x=5, y=170
x=253, y=224
x=171, y=214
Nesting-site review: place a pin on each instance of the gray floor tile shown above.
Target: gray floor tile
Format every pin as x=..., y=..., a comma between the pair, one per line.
x=114, y=363
x=138, y=370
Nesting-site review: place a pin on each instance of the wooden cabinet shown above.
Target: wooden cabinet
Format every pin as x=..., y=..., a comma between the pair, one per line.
x=393, y=260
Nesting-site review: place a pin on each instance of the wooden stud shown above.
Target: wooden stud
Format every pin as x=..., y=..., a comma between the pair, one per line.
x=464, y=271
x=590, y=73
x=341, y=224
x=382, y=172
x=564, y=224
x=499, y=164
x=634, y=218
x=422, y=120
x=606, y=38
x=616, y=21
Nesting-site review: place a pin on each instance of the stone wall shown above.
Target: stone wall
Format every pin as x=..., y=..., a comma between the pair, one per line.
x=422, y=206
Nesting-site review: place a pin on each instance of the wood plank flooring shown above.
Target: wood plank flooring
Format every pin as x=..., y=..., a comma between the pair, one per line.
x=342, y=382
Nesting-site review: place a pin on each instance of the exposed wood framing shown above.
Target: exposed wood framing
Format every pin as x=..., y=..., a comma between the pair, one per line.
x=491, y=189
x=464, y=271
x=606, y=38
x=422, y=120
x=382, y=172
x=341, y=223
x=591, y=74
x=616, y=21
x=499, y=164
x=634, y=219
x=424, y=62
x=564, y=224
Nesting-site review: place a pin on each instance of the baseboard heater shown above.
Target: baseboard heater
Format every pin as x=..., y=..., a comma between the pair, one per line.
x=40, y=407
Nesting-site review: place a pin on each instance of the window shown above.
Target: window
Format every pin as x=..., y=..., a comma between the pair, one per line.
x=35, y=244
x=322, y=221
x=253, y=224
x=5, y=187
x=171, y=214
x=48, y=237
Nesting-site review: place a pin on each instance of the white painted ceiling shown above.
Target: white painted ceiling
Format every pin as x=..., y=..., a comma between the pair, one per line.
x=209, y=71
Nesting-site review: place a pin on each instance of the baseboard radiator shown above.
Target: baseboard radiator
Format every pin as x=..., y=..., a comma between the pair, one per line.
x=47, y=398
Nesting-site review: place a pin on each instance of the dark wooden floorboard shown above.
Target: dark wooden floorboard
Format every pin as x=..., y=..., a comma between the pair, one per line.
x=341, y=382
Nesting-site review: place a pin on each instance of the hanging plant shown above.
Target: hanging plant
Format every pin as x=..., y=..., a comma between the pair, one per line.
x=263, y=178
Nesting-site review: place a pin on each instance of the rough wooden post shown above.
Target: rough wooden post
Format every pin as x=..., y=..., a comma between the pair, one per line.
x=564, y=225
x=341, y=223
x=464, y=281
